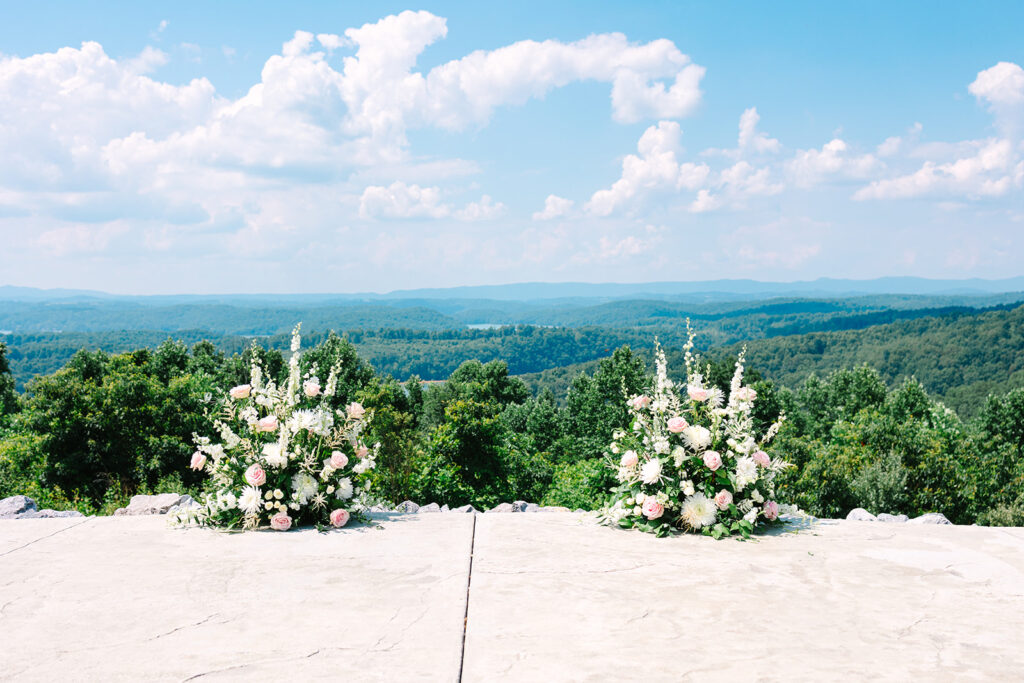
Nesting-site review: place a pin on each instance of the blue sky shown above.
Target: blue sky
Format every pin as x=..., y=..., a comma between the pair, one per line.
x=295, y=147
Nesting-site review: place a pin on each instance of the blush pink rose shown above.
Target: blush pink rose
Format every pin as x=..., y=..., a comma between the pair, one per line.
x=311, y=388
x=629, y=459
x=198, y=461
x=280, y=522
x=761, y=458
x=338, y=460
x=652, y=508
x=241, y=391
x=255, y=475
x=698, y=394
x=339, y=517
x=712, y=460
x=267, y=424
x=356, y=410
x=746, y=394
x=677, y=424
x=362, y=452
x=771, y=510
x=723, y=499
x=640, y=402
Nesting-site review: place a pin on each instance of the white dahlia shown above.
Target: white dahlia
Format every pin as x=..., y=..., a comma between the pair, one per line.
x=699, y=511
x=249, y=501
x=696, y=437
x=650, y=473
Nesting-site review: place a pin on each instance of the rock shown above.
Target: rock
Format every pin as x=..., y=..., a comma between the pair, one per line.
x=861, y=515
x=502, y=507
x=579, y=511
x=159, y=504
x=187, y=502
x=430, y=507
x=48, y=514
x=886, y=517
x=465, y=508
x=554, y=508
x=531, y=507
x=931, y=518
x=519, y=506
x=16, y=505
x=407, y=506
x=380, y=508
x=444, y=508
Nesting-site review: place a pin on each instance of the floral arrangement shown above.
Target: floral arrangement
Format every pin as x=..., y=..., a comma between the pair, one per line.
x=283, y=456
x=693, y=463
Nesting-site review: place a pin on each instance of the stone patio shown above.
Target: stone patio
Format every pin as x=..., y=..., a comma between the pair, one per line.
x=551, y=597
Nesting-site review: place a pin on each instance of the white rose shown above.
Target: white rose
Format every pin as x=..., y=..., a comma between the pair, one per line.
x=688, y=488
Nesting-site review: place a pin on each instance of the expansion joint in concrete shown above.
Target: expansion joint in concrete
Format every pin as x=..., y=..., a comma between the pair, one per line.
x=469, y=585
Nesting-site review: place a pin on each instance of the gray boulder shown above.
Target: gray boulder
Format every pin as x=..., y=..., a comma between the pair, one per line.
x=16, y=505
x=380, y=508
x=445, y=508
x=48, y=514
x=861, y=515
x=187, y=502
x=554, y=508
x=898, y=519
x=519, y=506
x=931, y=518
x=430, y=507
x=503, y=507
x=407, y=506
x=159, y=504
x=465, y=509
x=531, y=507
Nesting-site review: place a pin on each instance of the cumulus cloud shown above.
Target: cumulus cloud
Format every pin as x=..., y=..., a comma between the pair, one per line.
x=1002, y=87
x=810, y=166
x=399, y=200
x=753, y=139
x=654, y=168
x=554, y=207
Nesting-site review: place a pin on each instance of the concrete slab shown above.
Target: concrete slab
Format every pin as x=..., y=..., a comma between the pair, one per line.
x=129, y=599
x=554, y=599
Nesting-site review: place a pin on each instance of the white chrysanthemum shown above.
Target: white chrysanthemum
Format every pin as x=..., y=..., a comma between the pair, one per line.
x=699, y=511
x=650, y=473
x=746, y=472
x=304, y=487
x=249, y=501
x=696, y=437
x=678, y=455
x=345, y=489
x=274, y=456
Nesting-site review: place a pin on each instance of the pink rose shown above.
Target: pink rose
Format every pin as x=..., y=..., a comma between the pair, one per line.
x=267, y=424
x=339, y=517
x=362, y=452
x=640, y=402
x=712, y=460
x=698, y=393
x=338, y=460
x=255, y=475
x=771, y=510
x=198, y=461
x=241, y=391
x=677, y=424
x=311, y=387
x=745, y=394
x=761, y=458
x=356, y=410
x=723, y=499
x=629, y=459
x=280, y=522
x=652, y=508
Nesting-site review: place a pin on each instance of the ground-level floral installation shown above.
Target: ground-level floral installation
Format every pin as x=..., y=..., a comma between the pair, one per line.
x=283, y=456
x=691, y=461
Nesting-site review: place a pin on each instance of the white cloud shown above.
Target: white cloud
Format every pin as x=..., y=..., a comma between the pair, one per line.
x=655, y=168
x=1002, y=86
x=402, y=201
x=752, y=139
x=705, y=201
x=810, y=166
x=484, y=210
x=554, y=207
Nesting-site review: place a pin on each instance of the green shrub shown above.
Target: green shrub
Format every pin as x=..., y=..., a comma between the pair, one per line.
x=583, y=484
x=882, y=486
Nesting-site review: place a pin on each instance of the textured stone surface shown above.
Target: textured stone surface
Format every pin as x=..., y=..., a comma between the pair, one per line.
x=49, y=514
x=16, y=505
x=159, y=504
x=931, y=518
x=465, y=508
x=407, y=506
x=130, y=599
x=430, y=507
x=557, y=599
x=861, y=515
x=886, y=517
x=502, y=507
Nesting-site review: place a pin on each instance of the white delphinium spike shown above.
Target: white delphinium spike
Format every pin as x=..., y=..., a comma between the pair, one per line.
x=737, y=380
x=332, y=381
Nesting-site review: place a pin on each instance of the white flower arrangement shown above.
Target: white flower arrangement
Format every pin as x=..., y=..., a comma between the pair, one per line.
x=284, y=458
x=691, y=461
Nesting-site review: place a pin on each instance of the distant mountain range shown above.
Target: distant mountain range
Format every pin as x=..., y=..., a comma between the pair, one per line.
x=568, y=292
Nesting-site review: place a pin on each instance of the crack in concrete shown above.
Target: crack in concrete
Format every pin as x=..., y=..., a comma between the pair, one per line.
x=236, y=667
x=43, y=538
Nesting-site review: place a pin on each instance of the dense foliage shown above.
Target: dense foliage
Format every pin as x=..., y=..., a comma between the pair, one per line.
x=106, y=426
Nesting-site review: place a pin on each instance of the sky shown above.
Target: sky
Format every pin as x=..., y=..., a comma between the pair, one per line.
x=196, y=147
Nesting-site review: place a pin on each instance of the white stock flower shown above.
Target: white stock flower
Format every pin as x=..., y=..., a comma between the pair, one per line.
x=687, y=488
x=661, y=445
x=304, y=487
x=746, y=472
x=699, y=511
x=345, y=489
x=756, y=496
